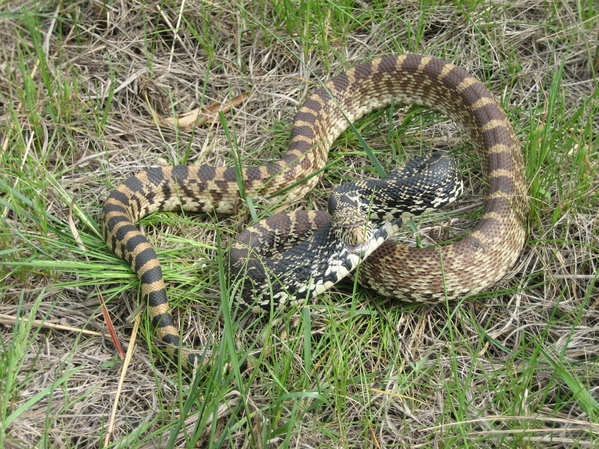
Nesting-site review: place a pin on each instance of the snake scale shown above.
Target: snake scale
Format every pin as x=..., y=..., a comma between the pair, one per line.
x=419, y=274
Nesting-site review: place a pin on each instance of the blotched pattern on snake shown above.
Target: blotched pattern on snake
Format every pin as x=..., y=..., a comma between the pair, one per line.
x=421, y=274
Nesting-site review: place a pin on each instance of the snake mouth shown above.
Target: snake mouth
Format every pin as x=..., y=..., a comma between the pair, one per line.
x=355, y=248
x=358, y=248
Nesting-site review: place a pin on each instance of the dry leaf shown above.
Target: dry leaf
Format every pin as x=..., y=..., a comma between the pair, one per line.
x=199, y=117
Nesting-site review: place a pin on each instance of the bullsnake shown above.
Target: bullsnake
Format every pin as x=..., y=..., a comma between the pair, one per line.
x=422, y=274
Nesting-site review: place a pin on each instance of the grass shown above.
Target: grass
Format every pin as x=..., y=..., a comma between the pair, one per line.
x=79, y=81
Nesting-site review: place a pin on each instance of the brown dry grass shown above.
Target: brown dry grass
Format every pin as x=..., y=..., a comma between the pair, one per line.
x=79, y=82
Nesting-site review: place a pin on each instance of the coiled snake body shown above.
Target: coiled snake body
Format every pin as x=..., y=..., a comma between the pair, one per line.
x=421, y=274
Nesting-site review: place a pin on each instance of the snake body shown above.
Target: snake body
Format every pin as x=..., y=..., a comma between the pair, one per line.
x=290, y=257
x=432, y=274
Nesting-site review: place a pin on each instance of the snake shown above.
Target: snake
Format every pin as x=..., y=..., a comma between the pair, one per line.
x=429, y=275
x=290, y=257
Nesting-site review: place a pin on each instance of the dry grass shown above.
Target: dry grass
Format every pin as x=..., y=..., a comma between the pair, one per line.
x=79, y=82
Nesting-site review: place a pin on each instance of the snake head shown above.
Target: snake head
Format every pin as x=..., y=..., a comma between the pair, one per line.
x=349, y=217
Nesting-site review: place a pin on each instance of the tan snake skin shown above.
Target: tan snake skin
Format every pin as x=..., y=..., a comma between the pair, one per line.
x=431, y=274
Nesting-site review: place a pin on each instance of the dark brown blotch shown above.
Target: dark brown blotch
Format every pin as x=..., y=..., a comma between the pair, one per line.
x=154, y=176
